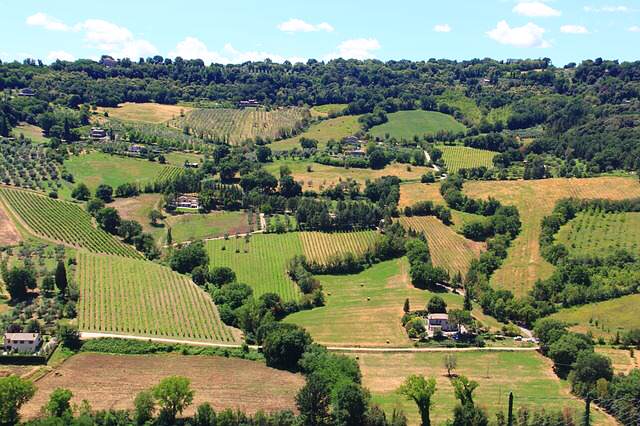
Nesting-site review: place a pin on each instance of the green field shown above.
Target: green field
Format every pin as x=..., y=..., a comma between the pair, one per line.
x=462, y=157
x=96, y=168
x=127, y=296
x=320, y=246
x=527, y=374
x=261, y=262
x=407, y=124
x=30, y=132
x=189, y=227
x=333, y=128
x=595, y=233
x=365, y=309
x=62, y=222
x=501, y=114
x=327, y=109
x=467, y=106
x=603, y=318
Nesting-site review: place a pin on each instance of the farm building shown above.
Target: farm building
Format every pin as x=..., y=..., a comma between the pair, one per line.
x=27, y=92
x=191, y=165
x=97, y=133
x=355, y=152
x=137, y=150
x=187, y=201
x=22, y=342
x=249, y=103
x=439, y=323
x=352, y=141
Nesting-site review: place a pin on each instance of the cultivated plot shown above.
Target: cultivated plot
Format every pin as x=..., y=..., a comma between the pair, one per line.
x=126, y=296
x=407, y=124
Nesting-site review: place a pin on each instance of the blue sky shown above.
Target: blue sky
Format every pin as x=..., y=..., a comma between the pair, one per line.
x=240, y=30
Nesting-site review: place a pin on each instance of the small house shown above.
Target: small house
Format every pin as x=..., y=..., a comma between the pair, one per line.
x=22, y=342
x=97, y=133
x=27, y=91
x=191, y=165
x=351, y=141
x=355, y=153
x=439, y=323
x=137, y=150
x=187, y=201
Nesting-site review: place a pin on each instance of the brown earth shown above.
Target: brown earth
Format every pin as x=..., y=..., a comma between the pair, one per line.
x=9, y=235
x=113, y=381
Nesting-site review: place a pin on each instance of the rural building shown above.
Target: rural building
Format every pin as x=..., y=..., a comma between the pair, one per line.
x=97, y=133
x=190, y=165
x=22, y=342
x=27, y=92
x=249, y=103
x=439, y=323
x=187, y=201
x=355, y=152
x=352, y=141
x=137, y=150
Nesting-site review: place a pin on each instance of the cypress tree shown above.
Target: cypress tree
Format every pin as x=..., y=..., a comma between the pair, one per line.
x=61, y=278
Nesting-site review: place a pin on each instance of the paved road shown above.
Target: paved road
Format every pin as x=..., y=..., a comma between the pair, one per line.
x=90, y=335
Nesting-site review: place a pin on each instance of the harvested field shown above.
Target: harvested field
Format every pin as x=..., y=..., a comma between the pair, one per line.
x=138, y=209
x=112, y=381
x=9, y=235
x=145, y=112
x=411, y=193
x=621, y=359
x=365, y=309
x=448, y=249
x=536, y=199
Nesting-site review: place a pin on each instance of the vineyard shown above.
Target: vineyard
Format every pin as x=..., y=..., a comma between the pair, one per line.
x=448, y=249
x=127, y=296
x=236, y=125
x=596, y=232
x=168, y=173
x=462, y=157
x=320, y=247
x=63, y=222
x=259, y=261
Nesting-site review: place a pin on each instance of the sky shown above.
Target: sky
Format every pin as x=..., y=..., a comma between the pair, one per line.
x=235, y=31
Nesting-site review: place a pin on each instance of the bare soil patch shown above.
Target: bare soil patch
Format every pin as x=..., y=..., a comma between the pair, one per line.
x=9, y=235
x=112, y=381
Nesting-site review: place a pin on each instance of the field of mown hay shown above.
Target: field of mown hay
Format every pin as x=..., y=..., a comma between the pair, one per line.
x=448, y=249
x=365, y=309
x=113, y=381
x=141, y=298
x=527, y=374
x=236, y=125
x=536, y=199
x=147, y=112
x=62, y=222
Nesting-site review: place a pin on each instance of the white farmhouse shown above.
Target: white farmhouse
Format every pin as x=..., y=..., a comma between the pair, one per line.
x=22, y=342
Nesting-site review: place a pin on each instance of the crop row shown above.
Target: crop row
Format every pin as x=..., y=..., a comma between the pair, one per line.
x=462, y=157
x=320, y=247
x=63, y=221
x=127, y=296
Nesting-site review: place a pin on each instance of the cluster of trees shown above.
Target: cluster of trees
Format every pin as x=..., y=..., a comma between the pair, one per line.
x=423, y=274
x=492, y=141
x=317, y=214
x=427, y=208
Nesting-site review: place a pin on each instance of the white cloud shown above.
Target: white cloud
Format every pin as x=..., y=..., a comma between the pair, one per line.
x=535, y=9
x=574, y=29
x=608, y=9
x=530, y=35
x=193, y=48
x=442, y=28
x=47, y=22
x=359, y=48
x=60, y=54
x=635, y=29
x=295, y=25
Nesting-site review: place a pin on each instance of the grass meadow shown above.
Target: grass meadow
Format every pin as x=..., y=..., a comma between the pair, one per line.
x=30, y=132
x=407, y=124
x=332, y=128
x=96, y=168
x=527, y=374
x=593, y=233
x=189, y=227
x=327, y=109
x=603, y=319
x=365, y=309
